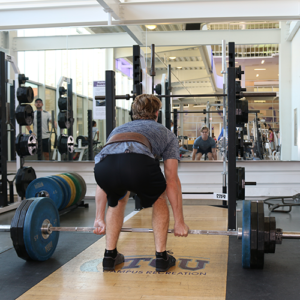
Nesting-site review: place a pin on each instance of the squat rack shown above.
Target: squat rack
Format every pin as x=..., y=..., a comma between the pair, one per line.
x=234, y=92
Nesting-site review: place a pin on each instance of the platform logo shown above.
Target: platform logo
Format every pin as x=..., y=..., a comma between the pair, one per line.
x=146, y=265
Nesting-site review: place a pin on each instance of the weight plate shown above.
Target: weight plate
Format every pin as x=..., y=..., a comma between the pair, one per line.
x=65, y=187
x=272, y=244
x=267, y=235
x=65, y=144
x=82, y=183
x=67, y=190
x=254, y=224
x=46, y=187
x=72, y=187
x=16, y=231
x=63, y=103
x=24, y=177
x=260, y=235
x=65, y=119
x=25, y=94
x=26, y=144
x=77, y=186
x=41, y=246
x=246, y=240
x=24, y=115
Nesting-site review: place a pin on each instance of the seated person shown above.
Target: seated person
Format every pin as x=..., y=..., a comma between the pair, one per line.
x=204, y=144
x=183, y=149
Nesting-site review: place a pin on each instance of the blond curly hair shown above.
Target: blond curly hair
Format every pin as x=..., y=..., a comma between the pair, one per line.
x=145, y=107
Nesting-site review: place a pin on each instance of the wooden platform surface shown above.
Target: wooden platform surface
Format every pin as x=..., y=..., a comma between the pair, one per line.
x=200, y=271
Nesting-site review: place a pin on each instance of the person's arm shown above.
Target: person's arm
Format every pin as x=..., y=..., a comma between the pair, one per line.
x=214, y=153
x=175, y=196
x=98, y=135
x=194, y=154
x=100, y=200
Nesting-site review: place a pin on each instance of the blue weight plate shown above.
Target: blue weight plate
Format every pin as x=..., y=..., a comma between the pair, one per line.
x=66, y=188
x=46, y=187
x=246, y=240
x=40, y=247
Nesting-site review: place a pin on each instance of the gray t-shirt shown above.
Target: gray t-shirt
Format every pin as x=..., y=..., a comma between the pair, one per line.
x=164, y=142
x=46, y=118
x=200, y=143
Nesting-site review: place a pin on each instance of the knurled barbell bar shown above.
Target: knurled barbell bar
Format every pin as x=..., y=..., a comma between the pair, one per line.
x=241, y=94
x=35, y=231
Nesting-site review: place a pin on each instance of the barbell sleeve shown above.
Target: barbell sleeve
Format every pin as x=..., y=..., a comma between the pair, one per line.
x=5, y=228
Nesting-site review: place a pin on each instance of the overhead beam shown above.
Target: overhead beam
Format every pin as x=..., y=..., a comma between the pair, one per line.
x=90, y=13
x=85, y=41
x=170, y=38
x=156, y=12
x=294, y=27
x=78, y=15
x=214, y=37
x=112, y=7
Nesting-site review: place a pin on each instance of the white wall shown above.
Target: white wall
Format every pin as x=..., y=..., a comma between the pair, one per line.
x=274, y=178
x=295, y=92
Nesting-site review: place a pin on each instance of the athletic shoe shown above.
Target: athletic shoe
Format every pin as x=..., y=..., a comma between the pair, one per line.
x=109, y=263
x=163, y=265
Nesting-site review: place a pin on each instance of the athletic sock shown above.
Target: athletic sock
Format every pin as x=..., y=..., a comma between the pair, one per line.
x=162, y=255
x=111, y=253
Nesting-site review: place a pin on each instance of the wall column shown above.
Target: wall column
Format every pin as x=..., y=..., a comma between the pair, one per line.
x=285, y=96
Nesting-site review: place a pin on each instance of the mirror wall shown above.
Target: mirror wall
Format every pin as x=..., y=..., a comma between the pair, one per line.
x=195, y=70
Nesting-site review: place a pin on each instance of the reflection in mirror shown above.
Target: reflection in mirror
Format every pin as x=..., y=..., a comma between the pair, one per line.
x=195, y=69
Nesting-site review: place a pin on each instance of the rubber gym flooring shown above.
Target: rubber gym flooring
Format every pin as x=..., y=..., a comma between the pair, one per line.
x=208, y=267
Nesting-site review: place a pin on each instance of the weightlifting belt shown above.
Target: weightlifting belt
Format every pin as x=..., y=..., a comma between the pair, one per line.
x=129, y=137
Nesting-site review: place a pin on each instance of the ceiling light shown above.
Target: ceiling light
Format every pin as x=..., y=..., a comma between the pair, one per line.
x=151, y=27
x=179, y=67
x=257, y=75
x=259, y=101
x=263, y=61
x=259, y=69
x=172, y=57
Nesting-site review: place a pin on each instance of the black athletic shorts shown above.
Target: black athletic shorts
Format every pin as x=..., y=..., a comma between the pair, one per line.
x=46, y=145
x=204, y=151
x=138, y=173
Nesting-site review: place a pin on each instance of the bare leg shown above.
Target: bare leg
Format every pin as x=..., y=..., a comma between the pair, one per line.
x=114, y=222
x=160, y=222
x=198, y=156
x=209, y=155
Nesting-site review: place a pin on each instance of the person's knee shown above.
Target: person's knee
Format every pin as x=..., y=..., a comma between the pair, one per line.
x=209, y=155
x=161, y=201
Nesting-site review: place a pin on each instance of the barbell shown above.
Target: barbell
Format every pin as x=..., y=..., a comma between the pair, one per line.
x=35, y=229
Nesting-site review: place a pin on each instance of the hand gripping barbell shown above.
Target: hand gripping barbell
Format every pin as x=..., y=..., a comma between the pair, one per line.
x=35, y=230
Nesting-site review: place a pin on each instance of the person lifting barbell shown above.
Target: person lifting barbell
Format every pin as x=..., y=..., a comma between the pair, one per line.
x=127, y=163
